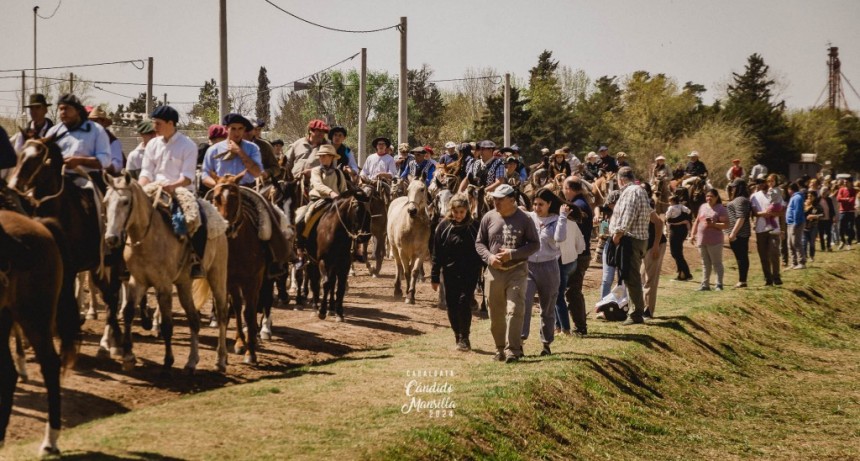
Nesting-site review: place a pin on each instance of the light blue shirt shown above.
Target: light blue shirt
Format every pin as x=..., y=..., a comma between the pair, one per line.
x=116, y=158
x=214, y=161
x=88, y=140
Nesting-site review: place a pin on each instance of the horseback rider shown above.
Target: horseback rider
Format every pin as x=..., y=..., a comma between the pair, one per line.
x=421, y=166
x=450, y=155
x=513, y=153
x=271, y=168
x=592, y=167
x=83, y=143
x=607, y=163
x=660, y=170
x=300, y=153
x=327, y=183
x=117, y=158
x=621, y=159
x=345, y=160
x=379, y=165
x=39, y=123
x=235, y=156
x=404, y=160
x=134, y=162
x=695, y=169
x=558, y=164
x=170, y=159
x=486, y=171
x=736, y=171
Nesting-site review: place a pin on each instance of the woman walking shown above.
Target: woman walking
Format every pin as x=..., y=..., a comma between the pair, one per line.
x=738, y=228
x=814, y=213
x=825, y=223
x=679, y=218
x=455, y=257
x=550, y=219
x=708, y=236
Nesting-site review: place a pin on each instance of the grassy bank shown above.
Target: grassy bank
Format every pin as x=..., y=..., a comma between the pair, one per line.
x=767, y=373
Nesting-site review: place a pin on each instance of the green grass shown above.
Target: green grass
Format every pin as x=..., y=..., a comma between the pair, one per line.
x=757, y=373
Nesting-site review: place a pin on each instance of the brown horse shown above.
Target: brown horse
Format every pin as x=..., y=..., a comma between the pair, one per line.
x=379, y=192
x=31, y=276
x=247, y=261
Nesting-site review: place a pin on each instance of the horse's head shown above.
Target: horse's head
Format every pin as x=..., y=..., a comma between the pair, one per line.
x=118, y=205
x=39, y=158
x=226, y=196
x=416, y=195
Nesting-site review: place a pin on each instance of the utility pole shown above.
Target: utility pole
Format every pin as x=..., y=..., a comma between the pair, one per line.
x=149, y=88
x=71, y=82
x=165, y=99
x=23, y=93
x=35, y=15
x=402, y=116
x=507, y=141
x=223, y=107
x=362, y=108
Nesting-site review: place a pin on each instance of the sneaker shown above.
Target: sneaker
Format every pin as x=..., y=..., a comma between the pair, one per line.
x=500, y=356
x=704, y=288
x=847, y=247
x=741, y=285
x=647, y=314
x=777, y=282
x=546, y=351
x=462, y=346
x=467, y=343
x=633, y=321
x=580, y=333
x=566, y=332
x=768, y=283
x=799, y=266
x=511, y=359
x=719, y=287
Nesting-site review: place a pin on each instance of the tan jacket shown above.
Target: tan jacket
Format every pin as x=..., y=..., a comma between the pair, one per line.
x=326, y=181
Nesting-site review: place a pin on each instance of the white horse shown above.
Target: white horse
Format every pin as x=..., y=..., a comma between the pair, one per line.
x=409, y=236
x=157, y=258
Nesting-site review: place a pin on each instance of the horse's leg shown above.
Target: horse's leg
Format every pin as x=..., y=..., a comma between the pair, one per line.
x=39, y=334
x=135, y=292
x=236, y=302
x=301, y=287
x=282, y=283
x=8, y=375
x=399, y=265
x=187, y=302
x=314, y=280
x=379, y=255
x=110, y=294
x=146, y=316
x=267, y=298
x=165, y=301
x=415, y=274
x=216, y=276
x=328, y=291
x=250, y=314
x=20, y=358
x=341, y=292
x=68, y=321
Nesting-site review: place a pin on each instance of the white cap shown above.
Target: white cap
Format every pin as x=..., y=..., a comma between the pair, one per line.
x=502, y=191
x=450, y=145
x=660, y=157
x=695, y=153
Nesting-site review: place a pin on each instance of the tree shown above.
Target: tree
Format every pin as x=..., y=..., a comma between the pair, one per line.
x=750, y=101
x=205, y=111
x=491, y=125
x=550, y=109
x=136, y=106
x=591, y=115
x=425, y=119
x=263, y=96
x=817, y=131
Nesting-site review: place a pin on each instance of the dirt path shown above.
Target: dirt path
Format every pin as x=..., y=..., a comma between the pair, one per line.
x=99, y=387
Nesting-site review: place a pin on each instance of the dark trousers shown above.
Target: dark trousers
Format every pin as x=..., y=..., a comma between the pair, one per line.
x=825, y=228
x=573, y=293
x=767, y=245
x=846, y=227
x=741, y=248
x=459, y=293
x=677, y=237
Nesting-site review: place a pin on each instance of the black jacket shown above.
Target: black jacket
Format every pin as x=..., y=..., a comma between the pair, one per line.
x=454, y=250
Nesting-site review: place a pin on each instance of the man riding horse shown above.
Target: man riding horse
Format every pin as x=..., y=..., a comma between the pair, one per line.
x=695, y=169
x=83, y=143
x=346, y=161
x=300, y=153
x=39, y=122
x=235, y=156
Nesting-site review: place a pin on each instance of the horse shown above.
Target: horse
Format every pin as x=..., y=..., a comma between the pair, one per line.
x=41, y=178
x=346, y=220
x=408, y=235
x=693, y=195
x=31, y=277
x=379, y=192
x=660, y=186
x=158, y=258
x=247, y=261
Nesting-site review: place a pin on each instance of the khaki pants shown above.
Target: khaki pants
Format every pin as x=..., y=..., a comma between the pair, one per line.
x=651, y=276
x=506, y=304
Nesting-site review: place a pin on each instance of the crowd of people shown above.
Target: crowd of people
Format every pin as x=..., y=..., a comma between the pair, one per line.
x=517, y=250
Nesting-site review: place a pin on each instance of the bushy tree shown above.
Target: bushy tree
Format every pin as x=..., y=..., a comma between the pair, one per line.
x=592, y=115
x=718, y=141
x=550, y=110
x=425, y=107
x=263, y=109
x=491, y=125
x=205, y=111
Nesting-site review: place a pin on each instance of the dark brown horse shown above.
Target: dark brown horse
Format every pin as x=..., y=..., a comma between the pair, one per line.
x=31, y=275
x=41, y=176
x=246, y=263
x=379, y=192
x=345, y=220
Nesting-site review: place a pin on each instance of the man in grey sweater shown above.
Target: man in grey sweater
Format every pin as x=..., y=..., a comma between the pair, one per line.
x=506, y=239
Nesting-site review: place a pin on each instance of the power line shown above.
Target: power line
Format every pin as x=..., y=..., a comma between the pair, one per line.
x=133, y=62
x=45, y=86
x=396, y=26
x=111, y=92
x=496, y=79
x=52, y=14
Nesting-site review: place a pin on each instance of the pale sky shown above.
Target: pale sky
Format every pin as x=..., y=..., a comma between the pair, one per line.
x=689, y=40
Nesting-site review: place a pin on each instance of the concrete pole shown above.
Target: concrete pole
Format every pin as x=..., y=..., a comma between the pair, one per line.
x=362, y=109
x=165, y=99
x=71, y=82
x=35, y=13
x=223, y=106
x=402, y=116
x=23, y=94
x=149, y=107
x=507, y=110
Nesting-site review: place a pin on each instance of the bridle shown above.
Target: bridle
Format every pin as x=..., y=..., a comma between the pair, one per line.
x=234, y=224
x=43, y=153
x=128, y=215
x=353, y=234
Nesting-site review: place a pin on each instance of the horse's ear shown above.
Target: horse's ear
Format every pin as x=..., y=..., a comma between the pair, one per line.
x=108, y=179
x=127, y=176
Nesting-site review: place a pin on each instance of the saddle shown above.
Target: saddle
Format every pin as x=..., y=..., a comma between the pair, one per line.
x=183, y=198
x=312, y=214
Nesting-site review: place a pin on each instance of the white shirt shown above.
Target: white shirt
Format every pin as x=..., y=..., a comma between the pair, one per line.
x=376, y=164
x=135, y=158
x=676, y=210
x=167, y=162
x=760, y=202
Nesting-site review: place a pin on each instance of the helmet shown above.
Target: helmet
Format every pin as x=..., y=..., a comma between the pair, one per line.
x=318, y=124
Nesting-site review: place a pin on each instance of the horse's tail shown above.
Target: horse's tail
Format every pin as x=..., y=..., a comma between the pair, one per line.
x=201, y=292
x=67, y=322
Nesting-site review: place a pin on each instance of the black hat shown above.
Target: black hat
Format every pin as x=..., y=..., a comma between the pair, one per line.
x=383, y=139
x=69, y=99
x=166, y=113
x=260, y=123
x=237, y=118
x=37, y=99
x=336, y=129
x=278, y=142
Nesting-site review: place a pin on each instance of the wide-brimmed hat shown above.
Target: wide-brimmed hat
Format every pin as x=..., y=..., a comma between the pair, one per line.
x=621, y=155
x=327, y=149
x=507, y=150
x=403, y=147
x=336, y=129
x=544, y=151
x=559, y=152
x=511, y=159
x=37, y=99
x=381, y=138
x=98, y=114
x=591, y=155
x=504, y=190
x=420, y=150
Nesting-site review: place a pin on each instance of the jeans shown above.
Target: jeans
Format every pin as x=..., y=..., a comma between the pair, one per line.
x=741, y=248
x=846, y=227
x=677, y=237
x=561, y=319
x=825, y=228
x=608, y=275
x=573, y=293
x=809, y=235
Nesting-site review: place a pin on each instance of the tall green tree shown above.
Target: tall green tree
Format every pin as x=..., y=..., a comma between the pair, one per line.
x=751, y=101
x=491, y=125
x=263, y=105
x=205, y=111
x=592, y=114
x=426, y=107
x=136, y=106
x=550, y=109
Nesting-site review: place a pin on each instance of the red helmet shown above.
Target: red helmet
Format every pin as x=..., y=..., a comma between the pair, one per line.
x=318, y=124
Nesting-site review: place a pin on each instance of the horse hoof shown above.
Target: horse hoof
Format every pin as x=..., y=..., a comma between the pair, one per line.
x=213, y=323
x=92, y=316
x=249, y=360
x=128, y=364
x=115, y=352
x=46, y=451
x=102, y=353
x=376, y=276
x=189, y=370
x=221, y=367
x=339, y=318
x=240, y=349
x=168, y=363
x=321, y=315
x=265, y=335
x=409, y=301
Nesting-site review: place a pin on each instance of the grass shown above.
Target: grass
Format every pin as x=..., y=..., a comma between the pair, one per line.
x=757, y=373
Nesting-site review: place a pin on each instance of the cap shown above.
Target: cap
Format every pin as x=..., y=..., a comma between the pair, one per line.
x=260, y=123
x=695, y=153
x=450, y=145
x=217, y=132
x=145, y=127
x=166, y=113
x=504, y=190
x=515, y=148
x=591, y=155
x=511, y=160
x=237, y=118
x=486, y=144
x=317, y=124
x=403, y=147
x=278, y=142
x=621, y=155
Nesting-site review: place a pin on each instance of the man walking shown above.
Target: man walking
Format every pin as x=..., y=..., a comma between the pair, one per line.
x=506, y=238
x=795, y=220
x=766, y=235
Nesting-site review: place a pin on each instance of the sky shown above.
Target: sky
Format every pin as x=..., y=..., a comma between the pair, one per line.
x=690, y=40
